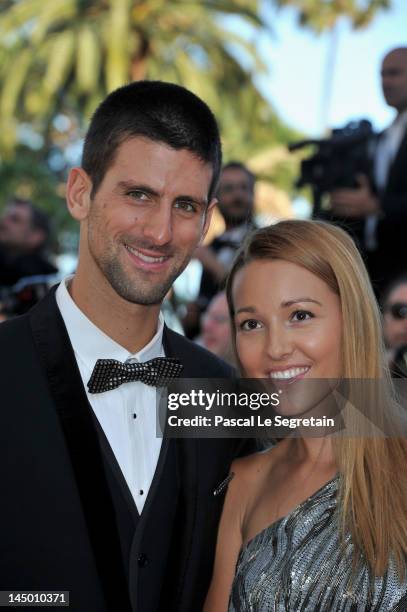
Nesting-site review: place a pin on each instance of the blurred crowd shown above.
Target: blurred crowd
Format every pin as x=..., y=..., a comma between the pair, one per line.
x=373, y=209
x=25, y=267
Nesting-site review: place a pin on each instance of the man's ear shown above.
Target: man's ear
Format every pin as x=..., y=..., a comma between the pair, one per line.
x=208, y=217
x=78, y=190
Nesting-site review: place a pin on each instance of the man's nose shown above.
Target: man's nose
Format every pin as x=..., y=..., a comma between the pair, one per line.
x=158, y=225
x=208, y=322
x=387, y=80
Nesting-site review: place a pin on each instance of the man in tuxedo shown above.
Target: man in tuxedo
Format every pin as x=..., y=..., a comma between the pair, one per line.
x=93, y=502
x=382, y=204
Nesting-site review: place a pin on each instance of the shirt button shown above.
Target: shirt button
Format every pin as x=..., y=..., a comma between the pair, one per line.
x=141, y=492
x=142, y=560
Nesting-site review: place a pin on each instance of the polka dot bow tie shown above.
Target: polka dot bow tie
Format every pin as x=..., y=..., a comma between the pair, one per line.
x=109, y=373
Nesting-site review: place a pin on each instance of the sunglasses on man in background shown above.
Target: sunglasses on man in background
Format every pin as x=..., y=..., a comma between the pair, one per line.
x=397, y=310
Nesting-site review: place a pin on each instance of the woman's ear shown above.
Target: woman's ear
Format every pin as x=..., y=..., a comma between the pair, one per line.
x=78, y=192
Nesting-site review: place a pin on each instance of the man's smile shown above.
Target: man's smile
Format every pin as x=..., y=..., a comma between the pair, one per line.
x=147, y=261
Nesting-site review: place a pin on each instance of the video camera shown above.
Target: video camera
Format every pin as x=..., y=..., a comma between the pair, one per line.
x=338, y=159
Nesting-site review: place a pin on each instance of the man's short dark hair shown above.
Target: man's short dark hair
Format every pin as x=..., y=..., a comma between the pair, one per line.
x=39, y=219
x=160, y=111
x=236, y=165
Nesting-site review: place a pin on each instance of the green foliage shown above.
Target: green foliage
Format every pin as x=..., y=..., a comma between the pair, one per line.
x=321, y=15
x=64, y=56
x=70, y=53
x=79, y=50
x=28, y=176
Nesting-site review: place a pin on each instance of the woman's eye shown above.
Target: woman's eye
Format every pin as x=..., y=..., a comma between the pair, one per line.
x=249, y=324
x=301, y=315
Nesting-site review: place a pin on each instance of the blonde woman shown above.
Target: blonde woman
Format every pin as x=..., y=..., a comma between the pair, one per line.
x=314, y=523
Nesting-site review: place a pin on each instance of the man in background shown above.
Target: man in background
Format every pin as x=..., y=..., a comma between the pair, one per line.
x=382, y=203
x=236, y=204
x=24, y=237
x=394, y=307
x=216, y=329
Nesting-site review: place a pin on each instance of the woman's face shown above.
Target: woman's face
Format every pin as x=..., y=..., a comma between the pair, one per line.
x=288, y=323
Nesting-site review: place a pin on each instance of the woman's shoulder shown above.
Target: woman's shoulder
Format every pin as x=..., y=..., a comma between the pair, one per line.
x=249, y=470
x=245, y=477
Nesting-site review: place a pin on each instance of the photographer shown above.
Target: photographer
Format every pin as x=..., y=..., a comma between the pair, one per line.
x=379, y=205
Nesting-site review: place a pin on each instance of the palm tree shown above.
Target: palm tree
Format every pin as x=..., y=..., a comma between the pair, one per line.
x=66, y=55
x=320, y=15
x=324, y=17
x=61, y=58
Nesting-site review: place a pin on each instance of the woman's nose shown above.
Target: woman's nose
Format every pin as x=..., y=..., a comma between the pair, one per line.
x=279, y=343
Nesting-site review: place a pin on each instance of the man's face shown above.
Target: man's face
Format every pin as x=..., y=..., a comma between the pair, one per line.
x=394, y=79
x=395, y=327
x=235, y=195
x=216, y=336
x=147, y=217
x=16, y=231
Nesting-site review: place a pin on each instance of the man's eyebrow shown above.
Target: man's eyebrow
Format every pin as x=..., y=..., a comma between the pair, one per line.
x=131, y=186
x=299, y=299
x=203, y=202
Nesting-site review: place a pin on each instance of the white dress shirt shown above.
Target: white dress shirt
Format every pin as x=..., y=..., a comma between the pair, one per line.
x=127, y=414
x=387, y=148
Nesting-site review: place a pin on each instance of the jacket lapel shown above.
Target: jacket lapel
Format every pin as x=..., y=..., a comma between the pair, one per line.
x=188, y=469
x=174, y=347
x=75, y=413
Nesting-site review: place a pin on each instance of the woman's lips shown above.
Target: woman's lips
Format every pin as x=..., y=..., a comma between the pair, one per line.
x=286, y=376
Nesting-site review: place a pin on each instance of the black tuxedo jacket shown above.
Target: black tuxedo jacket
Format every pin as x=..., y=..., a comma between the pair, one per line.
x=67, y=520
x=390, y=258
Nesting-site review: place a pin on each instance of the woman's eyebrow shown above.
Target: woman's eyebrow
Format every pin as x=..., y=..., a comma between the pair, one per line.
x=246, y=309
x=252, y=309
x=300, y=299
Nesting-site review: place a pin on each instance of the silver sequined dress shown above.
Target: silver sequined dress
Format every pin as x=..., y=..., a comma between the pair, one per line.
x=297, y=565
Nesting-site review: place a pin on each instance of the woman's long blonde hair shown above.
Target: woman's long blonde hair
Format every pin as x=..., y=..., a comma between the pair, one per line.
x=373, y=492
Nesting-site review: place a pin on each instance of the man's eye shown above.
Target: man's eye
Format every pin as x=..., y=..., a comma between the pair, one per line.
x=185, y=206
x=138, y=195
x=249, y=324
x=301, y=315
